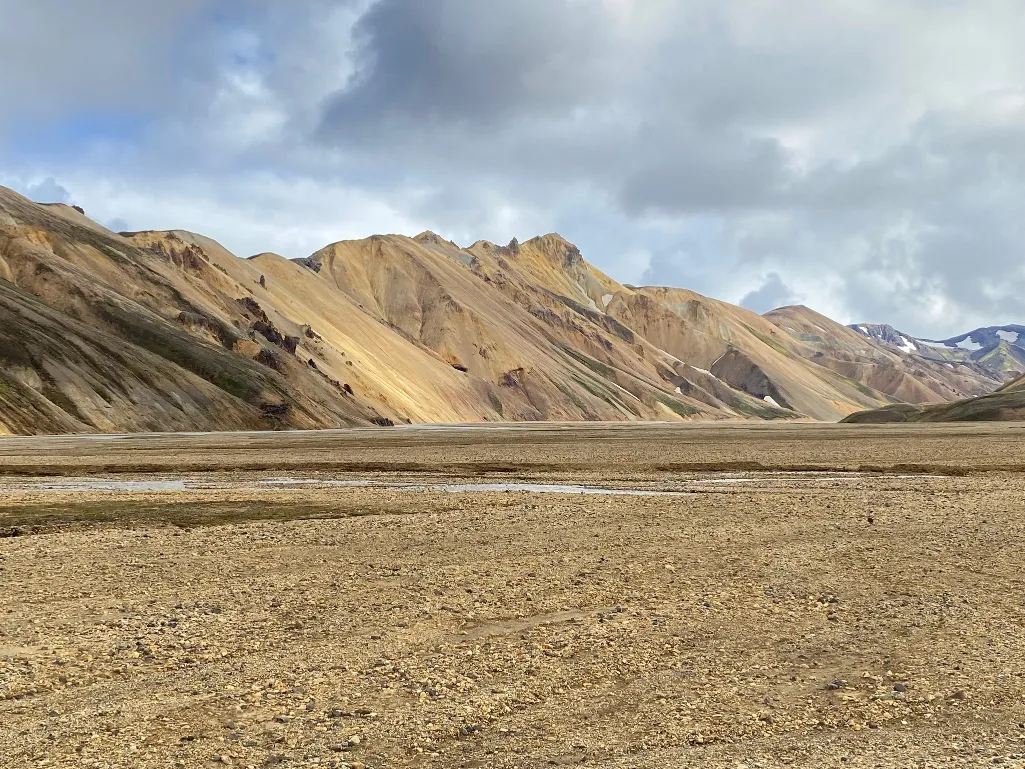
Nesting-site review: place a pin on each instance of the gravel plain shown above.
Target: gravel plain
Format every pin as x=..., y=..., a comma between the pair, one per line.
x=804, y=595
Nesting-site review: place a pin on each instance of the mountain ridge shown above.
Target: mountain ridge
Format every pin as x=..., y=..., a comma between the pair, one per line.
x=392, y=328
x=998, y=348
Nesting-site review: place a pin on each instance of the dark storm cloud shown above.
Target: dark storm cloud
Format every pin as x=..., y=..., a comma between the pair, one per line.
x=425, y=64
x=667, y=108
x=741, y=116
x=694, y=172
x=56, y=56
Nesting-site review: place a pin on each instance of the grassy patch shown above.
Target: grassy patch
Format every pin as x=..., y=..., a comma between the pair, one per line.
x=760, y=412
x=225, y=370
x=680, y=408
x=863, y=389
x=769, y=341
x=574, y=399
x=596, y=366
x=604, y=395
x=496, y=403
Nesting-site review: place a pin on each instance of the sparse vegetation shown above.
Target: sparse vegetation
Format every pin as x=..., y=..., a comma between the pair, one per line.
x=769, y=341
x=682, y=409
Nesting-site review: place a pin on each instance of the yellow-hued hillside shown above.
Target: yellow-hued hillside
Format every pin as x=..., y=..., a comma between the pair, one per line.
x=108, y=332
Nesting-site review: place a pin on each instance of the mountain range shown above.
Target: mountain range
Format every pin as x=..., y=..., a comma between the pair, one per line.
x=999, y=348
x=160, y=331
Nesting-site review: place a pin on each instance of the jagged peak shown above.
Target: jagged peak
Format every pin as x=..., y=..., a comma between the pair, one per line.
x=551, y=238
x=557, y=248
x=428, y=236
x=186, y=237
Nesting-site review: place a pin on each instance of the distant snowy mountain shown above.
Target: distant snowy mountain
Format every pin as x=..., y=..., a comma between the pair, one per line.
x=989, y=337
x=998, y=348
x=890, y=336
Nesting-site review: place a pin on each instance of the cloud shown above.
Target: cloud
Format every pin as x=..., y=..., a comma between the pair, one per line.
x=772, y=295
x=865, y=157
x=58, y=57
x=464, y=62
x=257, y=211
x=47, y=191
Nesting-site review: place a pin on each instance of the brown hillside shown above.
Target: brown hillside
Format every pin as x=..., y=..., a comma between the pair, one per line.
x=170, y=331
x=904, y=377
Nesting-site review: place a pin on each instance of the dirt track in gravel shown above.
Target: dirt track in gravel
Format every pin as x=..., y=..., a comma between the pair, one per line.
x=777, y=608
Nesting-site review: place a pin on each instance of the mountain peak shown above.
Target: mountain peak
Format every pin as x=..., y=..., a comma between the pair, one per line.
x=555, y=248
x=427, y=236
x=550, y=240
x=391, y=328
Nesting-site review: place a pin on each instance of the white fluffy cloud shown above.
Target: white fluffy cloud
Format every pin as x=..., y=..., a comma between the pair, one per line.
x=863, y=157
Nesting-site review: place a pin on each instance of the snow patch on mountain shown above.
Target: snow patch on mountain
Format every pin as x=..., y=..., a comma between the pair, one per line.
x=908, y=346
x=968, y=344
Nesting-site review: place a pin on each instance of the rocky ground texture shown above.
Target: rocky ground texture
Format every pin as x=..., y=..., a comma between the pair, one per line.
x=795, y=613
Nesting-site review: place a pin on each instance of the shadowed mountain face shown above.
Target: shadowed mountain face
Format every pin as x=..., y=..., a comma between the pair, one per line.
x=106, y=332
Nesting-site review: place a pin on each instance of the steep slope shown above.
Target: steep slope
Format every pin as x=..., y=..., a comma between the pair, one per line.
x=170, y=331
x=105, y=306
x=328, y=335
x=712, y=346
x=885, y=360
x=741, y=348
x=486, y=313
x=59, y=375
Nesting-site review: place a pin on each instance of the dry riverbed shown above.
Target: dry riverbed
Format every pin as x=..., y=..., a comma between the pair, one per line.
x=603, y=596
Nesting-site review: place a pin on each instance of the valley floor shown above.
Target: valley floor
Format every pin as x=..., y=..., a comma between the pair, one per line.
x=515, y=596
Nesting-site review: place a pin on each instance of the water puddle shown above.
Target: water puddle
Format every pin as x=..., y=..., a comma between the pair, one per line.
x=317, y=482
x=82, y=485
x=545, y=488
x=534, y=488
x=778, y=480
x=112, y=486
x=781, y=476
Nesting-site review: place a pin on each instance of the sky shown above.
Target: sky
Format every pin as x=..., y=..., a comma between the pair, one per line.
x=863, y=157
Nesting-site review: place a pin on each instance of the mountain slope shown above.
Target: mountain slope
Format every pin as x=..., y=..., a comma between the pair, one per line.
x=489, y=313
x=893, y=365
x=999, y=350
x=739, y=347
x=81, y=301
x=168, y=330
x=1005, y=405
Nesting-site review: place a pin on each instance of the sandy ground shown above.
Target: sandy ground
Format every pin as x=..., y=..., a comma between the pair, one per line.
x=806, y=595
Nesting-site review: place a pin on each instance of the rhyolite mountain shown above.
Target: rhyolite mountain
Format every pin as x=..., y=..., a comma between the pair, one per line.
x=113, y=332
